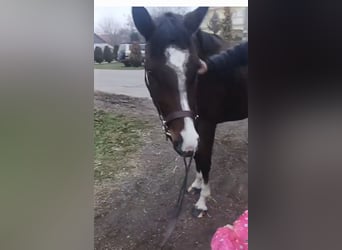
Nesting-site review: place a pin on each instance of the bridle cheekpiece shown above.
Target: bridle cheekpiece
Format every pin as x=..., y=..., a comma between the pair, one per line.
x=172, y=116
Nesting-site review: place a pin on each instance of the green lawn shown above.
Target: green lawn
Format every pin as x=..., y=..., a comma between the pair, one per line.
x=115, y=66
x=116, y=139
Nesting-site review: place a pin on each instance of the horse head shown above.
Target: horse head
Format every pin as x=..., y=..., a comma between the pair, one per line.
x=171, y=64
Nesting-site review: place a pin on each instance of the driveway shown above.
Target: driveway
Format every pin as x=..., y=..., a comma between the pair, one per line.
x=124, y=82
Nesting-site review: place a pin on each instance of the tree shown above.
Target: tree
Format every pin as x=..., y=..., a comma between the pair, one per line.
x=108, y=55
x=135, y=37
x=98, y=55
x=226, y=25
x=111, y=28
x=135, y=57
x=115, y=52
x=214, y=23
x=130, y=23
x=108, y=25
x=124, y=35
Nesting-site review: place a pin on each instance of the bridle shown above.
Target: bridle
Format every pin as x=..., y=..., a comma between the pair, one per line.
x=165, y=126
x=173, y=115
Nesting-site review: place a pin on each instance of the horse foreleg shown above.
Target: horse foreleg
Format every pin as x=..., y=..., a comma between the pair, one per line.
x=196, y=186
x=206, y=132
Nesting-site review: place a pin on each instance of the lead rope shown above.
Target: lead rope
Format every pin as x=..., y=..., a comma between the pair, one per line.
x=172, y=223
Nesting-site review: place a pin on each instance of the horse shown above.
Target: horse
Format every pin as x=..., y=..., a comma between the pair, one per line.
x=190, y=105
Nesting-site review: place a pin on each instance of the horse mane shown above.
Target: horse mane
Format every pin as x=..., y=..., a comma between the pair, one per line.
x=208, y=44
x=170, y=30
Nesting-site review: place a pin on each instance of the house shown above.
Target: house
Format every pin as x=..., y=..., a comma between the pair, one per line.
x=100, y=42
x=106, y=37
x=239, y=20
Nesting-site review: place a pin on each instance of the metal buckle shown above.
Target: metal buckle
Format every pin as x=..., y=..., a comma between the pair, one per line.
x=167, y=135
x=166, y=130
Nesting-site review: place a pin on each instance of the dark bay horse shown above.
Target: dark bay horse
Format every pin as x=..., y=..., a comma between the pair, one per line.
x=190, y=105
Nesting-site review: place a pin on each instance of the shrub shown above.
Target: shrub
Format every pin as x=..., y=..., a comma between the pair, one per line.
x=134, y=36
x=98, y=55
x=115, y=52
x=108, y=55
x=135, y=57
x=214, y=23
x=226, y=25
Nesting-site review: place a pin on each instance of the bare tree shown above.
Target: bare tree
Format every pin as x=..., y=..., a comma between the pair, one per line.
x=133, y=30
x=108, y=25
x=111, y=28
x=124, y=35
x=130, y=24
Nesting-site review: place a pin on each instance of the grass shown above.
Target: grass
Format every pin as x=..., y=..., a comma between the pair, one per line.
x=116, y=139
x=115, y=66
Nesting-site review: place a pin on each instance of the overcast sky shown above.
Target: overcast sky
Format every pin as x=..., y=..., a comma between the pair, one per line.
x=119, y=14
x=104, y=8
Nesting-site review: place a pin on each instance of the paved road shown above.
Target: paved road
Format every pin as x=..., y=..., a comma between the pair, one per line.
x=125, y=82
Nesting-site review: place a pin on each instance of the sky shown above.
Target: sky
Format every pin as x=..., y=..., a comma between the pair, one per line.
x=119, y=14
x=118, y=11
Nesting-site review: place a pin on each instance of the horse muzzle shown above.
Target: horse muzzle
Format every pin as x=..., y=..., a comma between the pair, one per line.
x=185, y=151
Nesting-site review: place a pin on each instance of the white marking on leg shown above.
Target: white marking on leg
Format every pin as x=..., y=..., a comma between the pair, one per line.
x=177, y=59
x=205, y=192
x=197, y=182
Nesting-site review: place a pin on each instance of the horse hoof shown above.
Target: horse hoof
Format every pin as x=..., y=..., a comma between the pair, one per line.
x=198, y=213
x=193, y=190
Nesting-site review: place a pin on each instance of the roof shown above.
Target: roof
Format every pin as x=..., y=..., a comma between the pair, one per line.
x=106, y=38
x=98, y=39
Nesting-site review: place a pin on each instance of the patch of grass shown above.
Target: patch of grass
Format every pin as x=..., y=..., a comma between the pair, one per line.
x=115, y=66
x=116, y=139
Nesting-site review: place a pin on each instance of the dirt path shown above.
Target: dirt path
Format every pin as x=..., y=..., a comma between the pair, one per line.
x=132, y=212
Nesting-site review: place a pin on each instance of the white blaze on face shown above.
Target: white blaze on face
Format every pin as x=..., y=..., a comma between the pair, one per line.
x=177, y=59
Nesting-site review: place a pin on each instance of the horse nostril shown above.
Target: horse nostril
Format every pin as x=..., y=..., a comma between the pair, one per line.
x=178, y=145
x=189, y=149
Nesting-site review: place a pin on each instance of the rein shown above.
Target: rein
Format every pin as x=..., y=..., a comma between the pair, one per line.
x=165, y=122
x=172, y=223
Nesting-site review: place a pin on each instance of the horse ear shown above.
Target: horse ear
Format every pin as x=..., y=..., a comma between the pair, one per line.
x=143, y=21
x=193, y=20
